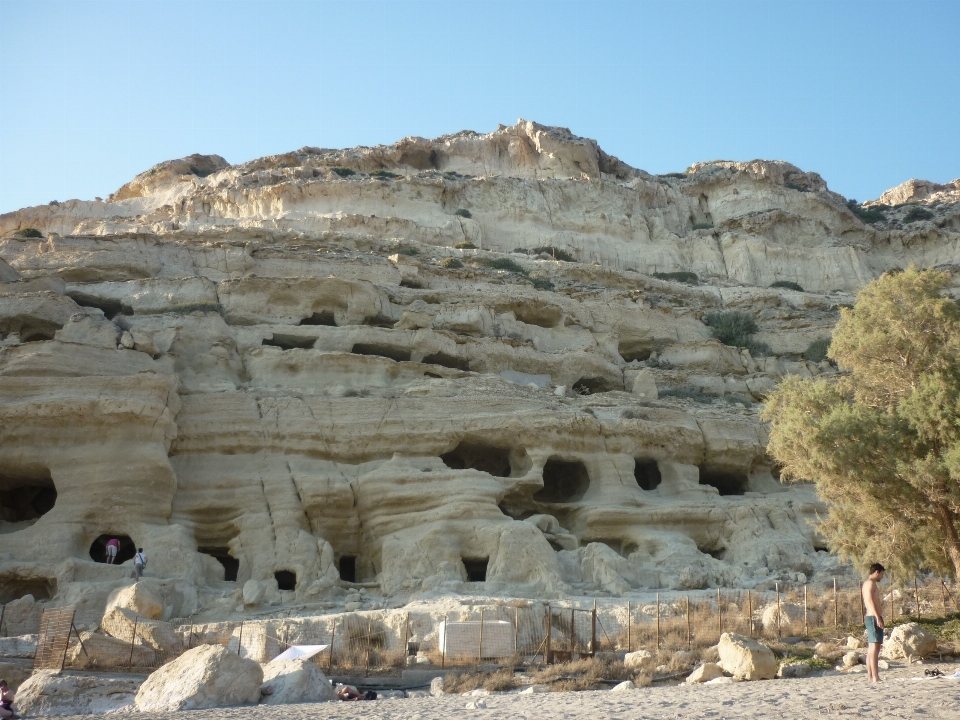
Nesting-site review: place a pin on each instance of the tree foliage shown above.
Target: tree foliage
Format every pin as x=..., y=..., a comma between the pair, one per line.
x=882, y=441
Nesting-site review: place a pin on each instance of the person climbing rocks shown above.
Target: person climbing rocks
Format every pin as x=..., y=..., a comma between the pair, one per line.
x=873, y=620
x=139, y=562
x=6, y=702
x=113, y=547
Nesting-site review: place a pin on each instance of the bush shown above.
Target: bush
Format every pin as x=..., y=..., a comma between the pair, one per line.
x=817, y=350
x=30, y=233
x=451, y=263
x=869, y=215
x=542, y=284
x=465, y=245
x=555, y=252
x=681, y=276
x=758, y=349
x=386, y=175
x=463, y=212
x=732, y=327
x=506, y=264
x=703, y=226
x=408, y=251
x=688, y=393
x=916, y=214
x=675, y=175
x=343, y=172
x=787, y=285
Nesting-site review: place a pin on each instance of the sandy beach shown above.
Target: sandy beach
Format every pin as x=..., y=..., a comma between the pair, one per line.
x=904, y=693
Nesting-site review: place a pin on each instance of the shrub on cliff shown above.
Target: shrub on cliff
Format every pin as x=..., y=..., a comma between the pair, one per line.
x=870, y=215
x=690, y=278
x=787, y=285
x=30, y=233
x=451, y=263
x=737, y=330
x=882, y=442
x=465, y=245
x=817, y=350
x=916, y=214
x=463, y=212
x=343, y=172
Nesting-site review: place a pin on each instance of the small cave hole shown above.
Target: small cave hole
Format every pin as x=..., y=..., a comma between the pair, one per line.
x=13, y=587
x=412, y=284
x=592, y=385
x=476, y=569
x=27, y=496
x=727, y=483
x=348, y=568
x=631, y=351
x=110, y=308
x=563, y=482
x=646, y=473
x=126, y=551
x=714, y=552
x=286, y=579
x=324, y=317
x=486, y=458
x=545, y=316
x=447, y=361
x=231, y=565
x=36, y=335
x=821, y=548
x=289, y=342
x=381, y=351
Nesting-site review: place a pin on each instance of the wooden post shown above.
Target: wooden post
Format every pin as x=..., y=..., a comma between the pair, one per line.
x=593, y=630
x=629, y=647
x=190, y=638
x=836, y=607
x=516, y=628
x=333, y=636
x=863, y=608
x=572, y=635
x=952, y=598
x=778, y=611
x=133, y=640
x=443, y=645
x=750, y=610
x=916, y=594
x=891, y=603
x=549, y=652
x=805, y=627
x=240, y=639
x=719, y=615
x=689, y=634
x=366, y=659
x=3, y=609
x=658, y=621
x=480, y=644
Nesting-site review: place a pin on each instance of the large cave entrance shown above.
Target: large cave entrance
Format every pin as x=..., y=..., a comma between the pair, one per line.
x=563, y=482
x=231, y=565
x=98, y=548
x=592, y=385
x=476, y=569
x=727, y=483
x=14, y=586
x=475, y=456
x=646, y=473
x=27, y=495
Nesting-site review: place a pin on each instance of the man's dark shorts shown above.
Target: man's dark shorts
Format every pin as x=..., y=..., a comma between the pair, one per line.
x=874, y=632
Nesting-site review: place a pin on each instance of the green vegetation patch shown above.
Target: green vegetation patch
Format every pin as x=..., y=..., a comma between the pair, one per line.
x=916, y=214
x=465, y=245
x=688, y=392
x=384, y=174
x=451, y=263
x=870, y=215
x=463, y=212
x=30, y=233
x=703, y=226
x=690, y=278
x=787, y=285
x=506, y=264
x=343, y=171
x=555, y=252
x=817, y=350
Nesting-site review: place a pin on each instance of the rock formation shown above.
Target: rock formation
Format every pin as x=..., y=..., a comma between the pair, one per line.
x=466, y=364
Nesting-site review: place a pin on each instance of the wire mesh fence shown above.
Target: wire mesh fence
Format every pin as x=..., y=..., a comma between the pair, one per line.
x=508, y=633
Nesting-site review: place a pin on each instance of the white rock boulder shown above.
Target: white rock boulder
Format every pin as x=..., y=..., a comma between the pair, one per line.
x=705, y=673
x=295, y=681
x=641, y=660
x=910, y=642
x=204, y=677
x=49, y=693
x=141, y=597
x=745, y=658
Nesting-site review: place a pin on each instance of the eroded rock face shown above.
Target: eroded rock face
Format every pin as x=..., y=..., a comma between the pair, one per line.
x=283, y=374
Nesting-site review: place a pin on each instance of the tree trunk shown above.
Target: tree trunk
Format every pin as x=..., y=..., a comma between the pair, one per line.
x=951, y=538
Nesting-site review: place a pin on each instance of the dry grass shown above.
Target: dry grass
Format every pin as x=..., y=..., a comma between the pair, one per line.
x=586, y=674
x=465, y=681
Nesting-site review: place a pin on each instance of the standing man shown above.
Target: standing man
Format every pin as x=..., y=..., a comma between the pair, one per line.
x=139, y=561
x=873, y=620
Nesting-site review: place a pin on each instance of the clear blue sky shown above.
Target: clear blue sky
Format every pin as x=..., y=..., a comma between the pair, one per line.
x=865, y=93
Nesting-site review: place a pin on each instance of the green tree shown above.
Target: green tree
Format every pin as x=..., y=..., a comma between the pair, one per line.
x=882, y=440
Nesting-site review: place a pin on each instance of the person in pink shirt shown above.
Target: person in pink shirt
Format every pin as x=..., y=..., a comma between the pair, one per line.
x=113, y=546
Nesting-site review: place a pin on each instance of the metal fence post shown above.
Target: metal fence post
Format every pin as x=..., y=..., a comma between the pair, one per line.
x=549, y=656
x=240, y=639
x=805, y=626
x=689, y=634
x=836, y=607
x=133, y=640
x=3, y=610
x=719, y=616
x=658, y=621
x=891, y=600
x=593, y=630
x=443, y=645
x=572, y=633
x=778, y=611
x=629, y=648
x=480, y=644
x=750, y=610
x=516, y=628
x=916, y=592
x=333, y=637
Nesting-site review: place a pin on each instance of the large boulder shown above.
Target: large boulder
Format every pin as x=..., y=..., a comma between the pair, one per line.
x=122, y=624
x=745, y=658
x=791, y=616
x=910, y=642
x=641, y=660
x=295, y=681
x=100, y=651
x=52, y=692
x=205, y=677
x=705, y=673
x=142, y=597
x=21, y=616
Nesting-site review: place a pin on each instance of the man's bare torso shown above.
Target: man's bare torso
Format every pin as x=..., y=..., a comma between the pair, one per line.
x=871, y=597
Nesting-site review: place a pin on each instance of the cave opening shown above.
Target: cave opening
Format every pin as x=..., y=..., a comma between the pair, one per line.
x=475, y=456
x=231, y=565
x=13, y=587
x=476, y=569
x=592, y=385
x=27, y=496
x=545, y=316
x=563, y=482
x=286, y=579
x=126, y=551
x=348, y=568
x=447, y=361
x=647, y=473
x=386, y=351
x=324, y=317
x=727, y=483
x=37, y=334
x=289, y=342
x=110, y=308
x=631, y=350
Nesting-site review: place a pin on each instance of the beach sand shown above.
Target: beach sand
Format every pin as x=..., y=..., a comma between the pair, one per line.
x=904, y=693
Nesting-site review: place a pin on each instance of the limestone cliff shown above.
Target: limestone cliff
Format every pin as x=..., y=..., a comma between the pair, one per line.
x=443, y=365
